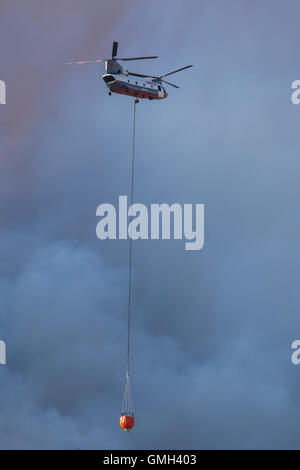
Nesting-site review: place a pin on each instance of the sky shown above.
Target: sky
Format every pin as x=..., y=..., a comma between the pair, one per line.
x=211, y=329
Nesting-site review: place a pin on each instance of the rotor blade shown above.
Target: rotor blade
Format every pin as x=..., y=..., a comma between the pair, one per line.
x=136, y=58
x=114, y=49
x=172, y=84
x=85, y=61
x=137, y=74
x=175, y=71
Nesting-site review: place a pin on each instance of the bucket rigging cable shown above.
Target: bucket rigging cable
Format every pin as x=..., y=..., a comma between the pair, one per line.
x=130, y=239
x=127, y=415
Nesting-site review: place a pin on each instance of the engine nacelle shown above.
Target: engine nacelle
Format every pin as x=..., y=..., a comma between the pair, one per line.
x=112, y=66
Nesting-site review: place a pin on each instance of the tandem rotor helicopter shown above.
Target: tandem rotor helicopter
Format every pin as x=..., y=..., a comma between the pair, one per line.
x=119, y=81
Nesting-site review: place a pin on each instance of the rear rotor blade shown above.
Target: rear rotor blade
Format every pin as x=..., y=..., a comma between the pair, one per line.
x=175, y=71
x=114, y=49
x=85, y=61
x=136, y=58
x=172, y=84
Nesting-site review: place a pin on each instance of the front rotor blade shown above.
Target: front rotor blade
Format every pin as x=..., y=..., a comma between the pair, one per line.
x=172, y=84
x=114, y=49
x=86, y=61
x=137, y=58
x=178, y=70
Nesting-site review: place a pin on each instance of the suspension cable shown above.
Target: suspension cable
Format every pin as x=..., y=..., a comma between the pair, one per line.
x=130, y=239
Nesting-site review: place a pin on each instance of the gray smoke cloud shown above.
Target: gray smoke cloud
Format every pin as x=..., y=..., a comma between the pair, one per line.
x=211, y=329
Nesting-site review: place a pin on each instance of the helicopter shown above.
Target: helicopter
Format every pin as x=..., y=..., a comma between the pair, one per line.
x=119, y=80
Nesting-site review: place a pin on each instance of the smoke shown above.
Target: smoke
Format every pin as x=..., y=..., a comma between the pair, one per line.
x=212, y=329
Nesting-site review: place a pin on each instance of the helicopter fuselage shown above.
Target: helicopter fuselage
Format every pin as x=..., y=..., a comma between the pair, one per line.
x=136, y=87
x=128, y=83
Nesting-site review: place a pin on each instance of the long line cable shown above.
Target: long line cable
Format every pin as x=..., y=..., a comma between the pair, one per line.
x=130, y=239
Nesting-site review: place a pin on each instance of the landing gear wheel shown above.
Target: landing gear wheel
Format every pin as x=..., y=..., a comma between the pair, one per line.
x=136, y=100
x=150, y=98
x=109, y=93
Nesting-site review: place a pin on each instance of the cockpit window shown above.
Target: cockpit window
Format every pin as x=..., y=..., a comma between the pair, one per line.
x=108, y=78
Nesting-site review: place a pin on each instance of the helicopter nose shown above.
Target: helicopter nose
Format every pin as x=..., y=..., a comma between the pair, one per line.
x=165, y=93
